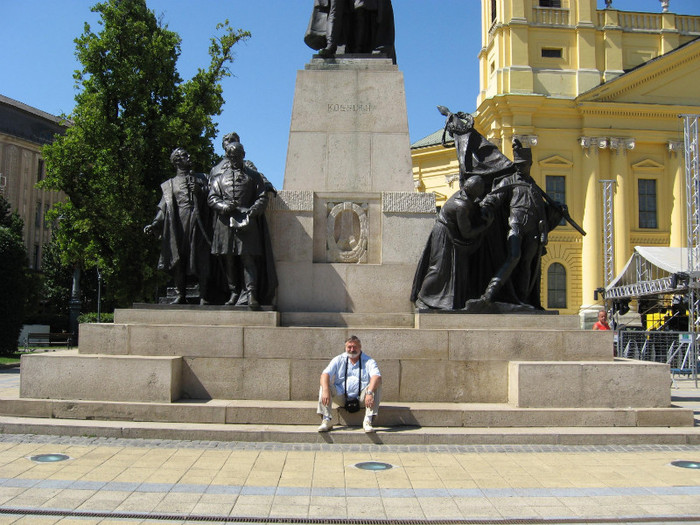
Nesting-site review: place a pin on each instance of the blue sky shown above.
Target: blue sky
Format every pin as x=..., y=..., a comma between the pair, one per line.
x=437, y=46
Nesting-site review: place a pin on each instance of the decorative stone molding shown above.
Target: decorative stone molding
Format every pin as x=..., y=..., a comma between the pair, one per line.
x=450, y=179
x=528, y=141
x=675, y=147
x=621, y=144
x=347, y=232
x=593, y=142
x=402, y=202
x=292, y=201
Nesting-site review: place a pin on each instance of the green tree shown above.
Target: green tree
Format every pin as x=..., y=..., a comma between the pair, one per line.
x=132, y=109
x=14, y=284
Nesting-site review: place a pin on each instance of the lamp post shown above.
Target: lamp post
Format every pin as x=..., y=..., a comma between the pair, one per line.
x=74, y=304
x=99, y=294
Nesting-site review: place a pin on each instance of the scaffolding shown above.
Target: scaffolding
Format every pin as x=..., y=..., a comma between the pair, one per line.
x=692, y=190
x=608, y=239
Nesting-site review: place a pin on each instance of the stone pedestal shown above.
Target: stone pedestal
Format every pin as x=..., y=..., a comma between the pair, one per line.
x=348, y=229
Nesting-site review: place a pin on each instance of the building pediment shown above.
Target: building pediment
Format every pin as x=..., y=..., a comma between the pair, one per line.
x=647, y=165
x=670, y=79
x=555, y=161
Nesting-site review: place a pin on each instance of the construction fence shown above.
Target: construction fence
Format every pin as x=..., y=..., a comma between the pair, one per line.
x=672, y=348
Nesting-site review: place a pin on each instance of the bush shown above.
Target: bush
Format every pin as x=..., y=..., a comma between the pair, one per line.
x=91, y=317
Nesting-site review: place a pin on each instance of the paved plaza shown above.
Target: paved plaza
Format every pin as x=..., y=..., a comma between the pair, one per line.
x=110, y=480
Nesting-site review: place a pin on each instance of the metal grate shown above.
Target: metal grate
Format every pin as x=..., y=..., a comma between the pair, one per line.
x=333, y=521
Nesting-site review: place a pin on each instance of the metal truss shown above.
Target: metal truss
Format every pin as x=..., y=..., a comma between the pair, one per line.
x=608, y=238
x=641, y=288
x=692, y=191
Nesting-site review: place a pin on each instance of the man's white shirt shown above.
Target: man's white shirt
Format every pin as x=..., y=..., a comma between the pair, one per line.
x=336, y=371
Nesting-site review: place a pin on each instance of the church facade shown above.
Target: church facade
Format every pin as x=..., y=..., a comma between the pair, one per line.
x=597, y=94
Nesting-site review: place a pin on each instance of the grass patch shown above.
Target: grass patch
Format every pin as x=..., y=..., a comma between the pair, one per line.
x=10, y=359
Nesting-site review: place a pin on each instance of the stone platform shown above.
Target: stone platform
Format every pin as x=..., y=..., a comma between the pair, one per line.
x=210, y=366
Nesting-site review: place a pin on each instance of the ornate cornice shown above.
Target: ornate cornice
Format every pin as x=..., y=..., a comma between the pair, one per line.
x=675, y=147
x=528, y=141
x=622, y=144
x=593, y=142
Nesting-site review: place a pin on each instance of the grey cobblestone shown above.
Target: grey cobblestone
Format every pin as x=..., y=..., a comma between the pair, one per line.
x=333, y=447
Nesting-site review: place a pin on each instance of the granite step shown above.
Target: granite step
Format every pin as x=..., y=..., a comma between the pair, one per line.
x=393, y=415
x=353, y=435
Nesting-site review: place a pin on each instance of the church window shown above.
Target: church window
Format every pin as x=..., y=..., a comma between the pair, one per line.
x=556, y=188
x=556, y=286
x=647, y=203
x=552, y=52
x=493, y=10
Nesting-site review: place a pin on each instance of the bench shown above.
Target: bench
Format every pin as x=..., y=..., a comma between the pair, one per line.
x=48, y=339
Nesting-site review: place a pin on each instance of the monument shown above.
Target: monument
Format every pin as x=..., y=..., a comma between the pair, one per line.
x=347, y=231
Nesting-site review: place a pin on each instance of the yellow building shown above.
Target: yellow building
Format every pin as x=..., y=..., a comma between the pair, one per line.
x=597, y=95
x=23, y=131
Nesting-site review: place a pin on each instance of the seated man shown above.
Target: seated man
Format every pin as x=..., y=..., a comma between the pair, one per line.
x=350, y=376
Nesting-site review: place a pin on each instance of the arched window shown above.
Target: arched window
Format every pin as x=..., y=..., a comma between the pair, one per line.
x=556, y=286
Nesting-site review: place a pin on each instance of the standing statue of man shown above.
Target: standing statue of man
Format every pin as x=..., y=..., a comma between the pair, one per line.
x=363, y=26
x=238, y=196
x=185, y=237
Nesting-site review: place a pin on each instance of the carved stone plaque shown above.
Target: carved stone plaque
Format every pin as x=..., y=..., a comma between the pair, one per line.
x=347, y=232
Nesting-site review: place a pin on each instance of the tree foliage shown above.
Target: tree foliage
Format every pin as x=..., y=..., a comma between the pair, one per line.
x=132, y=109
x=14, y=284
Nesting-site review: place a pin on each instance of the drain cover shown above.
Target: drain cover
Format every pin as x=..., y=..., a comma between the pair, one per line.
x=49, y=458
x=686, y=464
x=373, y=465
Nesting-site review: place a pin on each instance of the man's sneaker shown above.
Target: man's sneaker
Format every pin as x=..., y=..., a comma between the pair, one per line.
x=367, y=425
x=326, y=426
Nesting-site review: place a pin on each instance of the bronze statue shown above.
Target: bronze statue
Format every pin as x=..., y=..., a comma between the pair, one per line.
x=491, y=264
x=527, y=214
x=445, y=279
x=183, y=223
x=238, y=197
x=362, y=26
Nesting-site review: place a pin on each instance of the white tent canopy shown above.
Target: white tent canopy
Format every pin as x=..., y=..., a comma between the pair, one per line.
x=649, y=272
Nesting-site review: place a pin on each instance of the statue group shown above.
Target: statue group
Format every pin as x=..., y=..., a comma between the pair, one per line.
x=214, y=230
x=485, y=250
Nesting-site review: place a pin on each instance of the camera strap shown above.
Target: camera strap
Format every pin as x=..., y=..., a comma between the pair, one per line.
x=359, y=381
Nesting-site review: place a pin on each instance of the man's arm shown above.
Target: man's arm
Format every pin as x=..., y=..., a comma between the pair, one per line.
x=325, y=389
x=374, y=383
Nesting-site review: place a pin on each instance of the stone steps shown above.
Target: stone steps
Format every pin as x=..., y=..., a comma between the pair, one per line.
x=433, y=436
x=393, y=415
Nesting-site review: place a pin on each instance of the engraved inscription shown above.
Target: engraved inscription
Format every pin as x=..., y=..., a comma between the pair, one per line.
x=350, y=108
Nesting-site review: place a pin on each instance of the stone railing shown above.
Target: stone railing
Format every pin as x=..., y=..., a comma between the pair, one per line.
x=688, y=24
x=550, y=16
x=632, y=21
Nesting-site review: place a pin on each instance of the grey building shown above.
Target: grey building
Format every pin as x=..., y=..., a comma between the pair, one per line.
x=23, y=131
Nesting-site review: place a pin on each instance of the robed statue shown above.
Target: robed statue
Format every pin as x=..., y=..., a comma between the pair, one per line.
x=361, y=26
x=238, y=196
